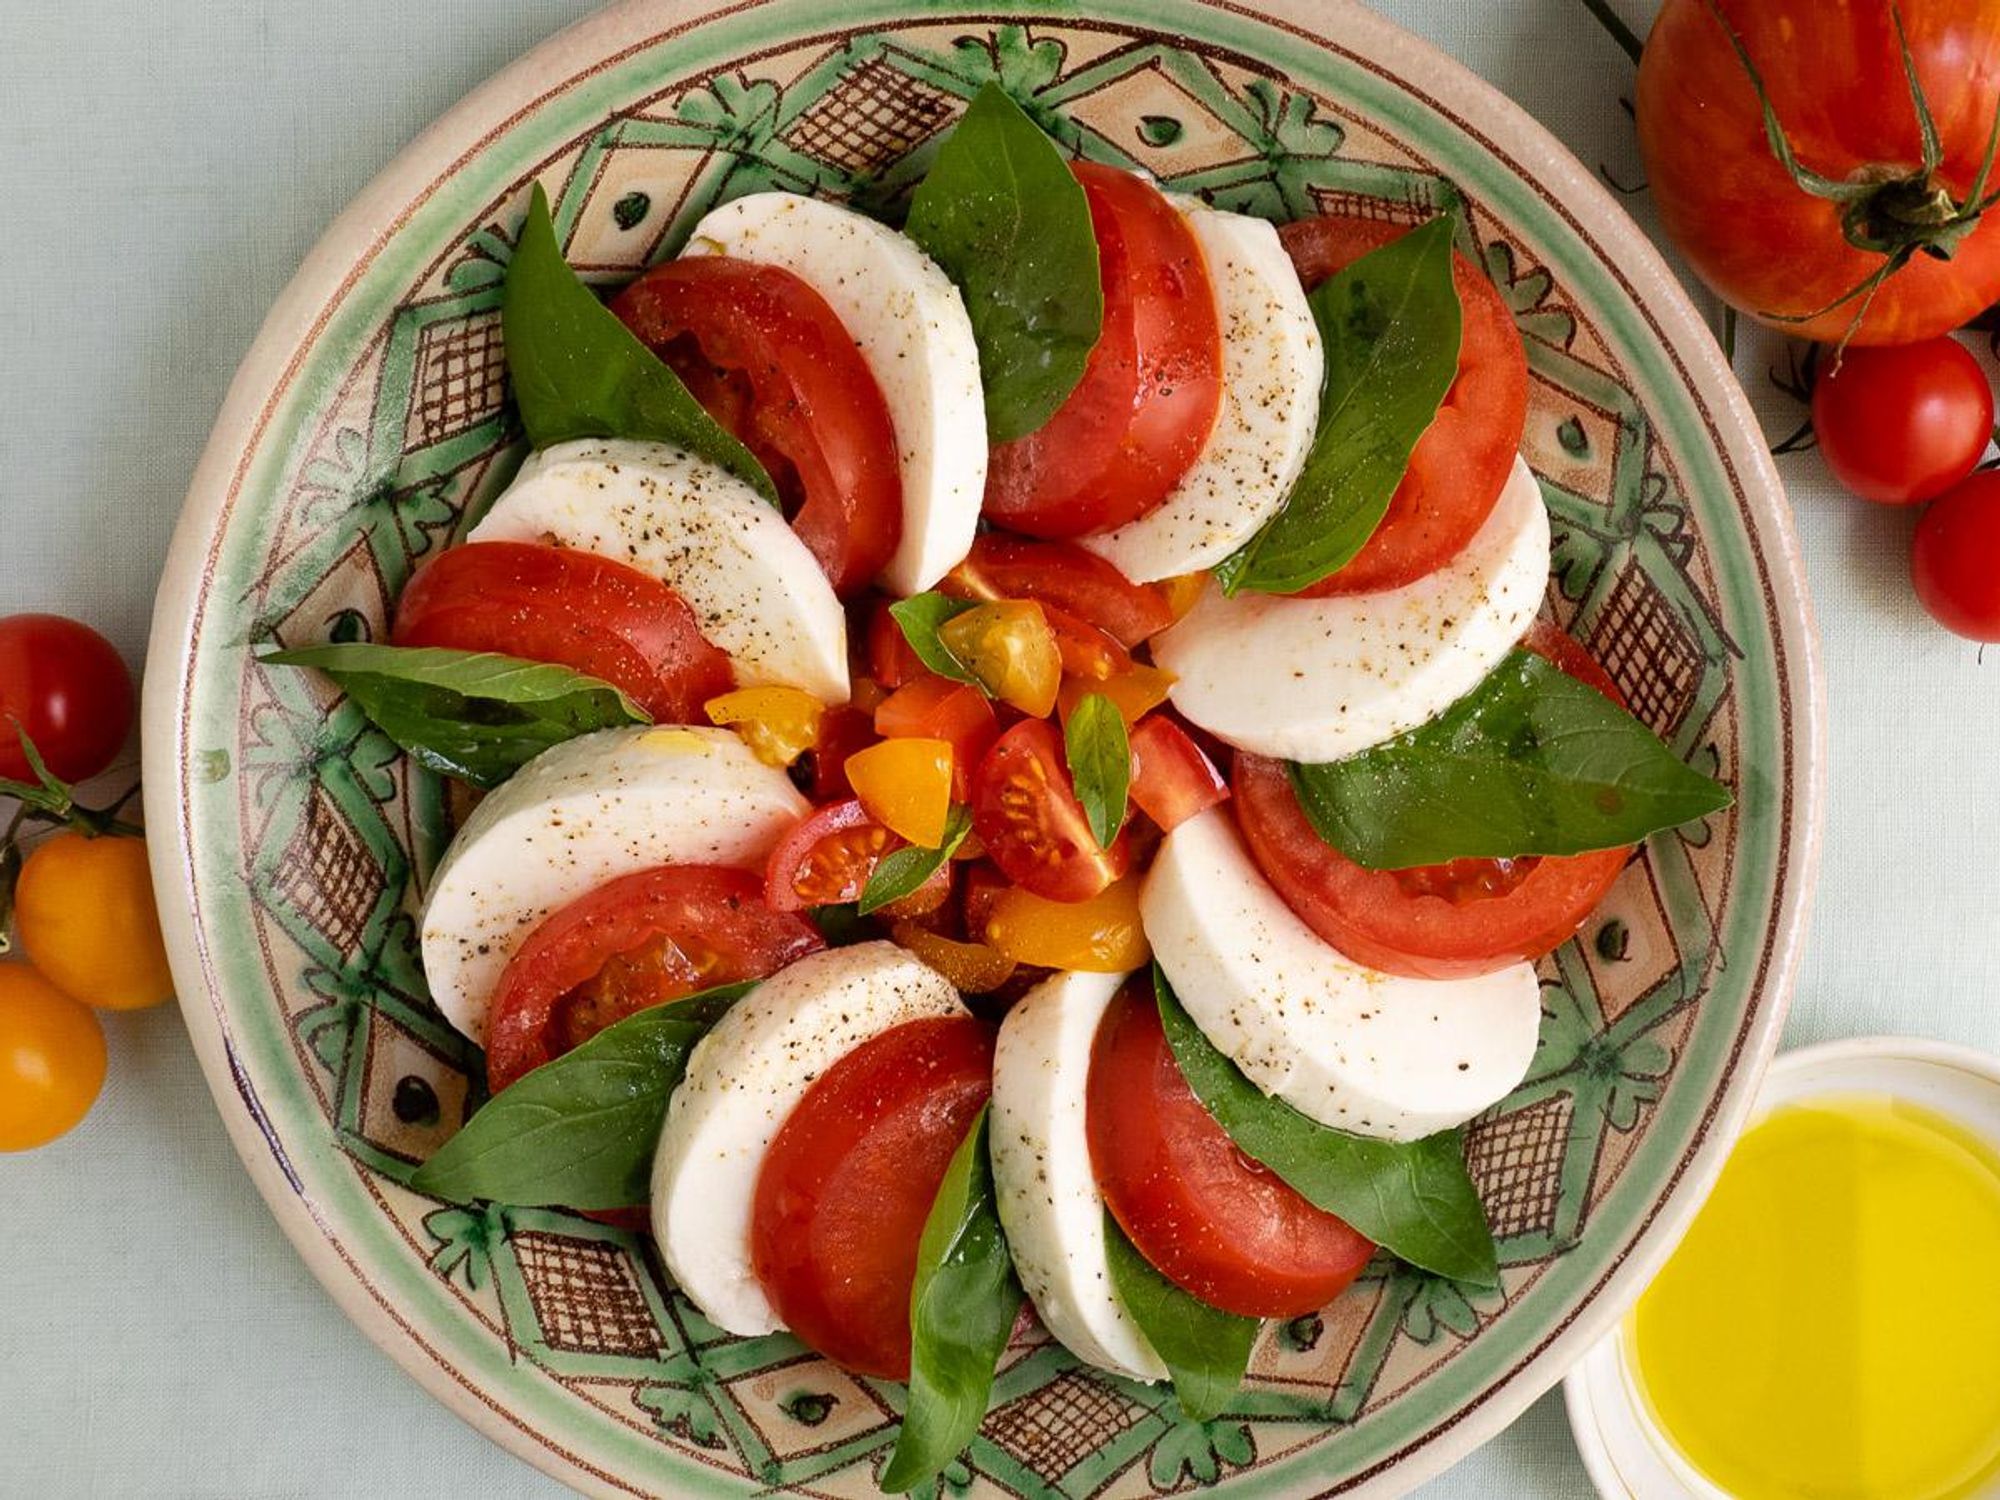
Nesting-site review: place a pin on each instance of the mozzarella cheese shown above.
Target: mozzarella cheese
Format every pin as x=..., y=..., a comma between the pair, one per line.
x=1332, y=677
x=1048, y=1198
x=910, y=325
x=577, y=816
x=1272, y=369
x=755, y=589
x=743, y=1081
x=1370, y=1053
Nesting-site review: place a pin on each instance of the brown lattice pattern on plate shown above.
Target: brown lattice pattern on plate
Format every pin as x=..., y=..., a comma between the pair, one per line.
x=328, y=875
x=1649, y=652
x=1362, y=206
x=585, y=1295
x=873, y=117
x=460, y=379
x=1517, y=1161
x=1057, y=1427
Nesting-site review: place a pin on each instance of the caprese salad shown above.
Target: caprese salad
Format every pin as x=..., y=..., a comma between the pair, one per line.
x=1021, y=759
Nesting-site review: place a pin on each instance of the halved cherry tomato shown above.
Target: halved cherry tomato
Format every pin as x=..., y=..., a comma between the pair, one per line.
x=779, y=724
x=1172, y=780
x=1182, y=592
x=1134, y=692
x=1011, y=649
x=641, y=940
x=1065, y=576
x=1102, y=935
x=892, y=660
x=842, y=731
x=848, y=1182
x=66, y=686
x=762, y=351
x=1083, y=649
x=828, y=858
x=906, y=786
x=1150, y=391
x=1026, y=814
x=1463, y=459
x=973, y=968
x=933, y=707
x=1212, y=1220
x=556, y=604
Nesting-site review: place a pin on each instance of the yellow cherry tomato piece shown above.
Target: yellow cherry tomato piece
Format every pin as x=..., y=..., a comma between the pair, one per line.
x=1098, y=936
x=779, y=724
x=84, y=913
x=1010, y=648
x=1135, y=692
x=1181, y=591
x=51, y=1060
x=906, y=786
x=971, y=967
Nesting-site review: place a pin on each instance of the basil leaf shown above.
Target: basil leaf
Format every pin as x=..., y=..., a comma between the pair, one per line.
x=1390, y=323
x=475, y=715
x=962, y=1308
x=579, y=372
x=1205, y=1350
x=1002, y=215
x=841, y=924
x=1529, y=762
x=1100, y=764
x=580, y=1131
x=1413, y=1198
x=920, y=617
x=901, y=871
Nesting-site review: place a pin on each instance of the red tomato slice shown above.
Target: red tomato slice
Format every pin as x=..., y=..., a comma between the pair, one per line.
x=849, y=1180
x=1026, y=814
x=1069, y=578
x=572, y=608
x=1172, y=780
x=762, y=351
x=1150, y=391
x=935, y=708
x=1212, y=1220
x=1462, y=461
x=640, y=940
x=828, y=858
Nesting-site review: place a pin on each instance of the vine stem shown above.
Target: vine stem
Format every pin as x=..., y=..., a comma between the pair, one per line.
x=1614, y=23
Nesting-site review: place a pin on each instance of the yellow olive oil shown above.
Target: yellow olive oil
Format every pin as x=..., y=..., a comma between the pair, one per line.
x=1830, y=1328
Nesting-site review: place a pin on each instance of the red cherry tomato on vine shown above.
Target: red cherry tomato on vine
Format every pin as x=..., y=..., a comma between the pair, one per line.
x=67, y=687
x=1904, y=422
x=1955, y=559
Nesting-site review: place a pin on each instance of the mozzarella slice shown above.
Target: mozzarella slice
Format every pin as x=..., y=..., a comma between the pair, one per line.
x=1272, y=371
x=1332, y=677
x=1049, y=1203
x=743, y=1081
x=577, y=816
x=1370, y=1053
x=910, y=325
x=756, y=590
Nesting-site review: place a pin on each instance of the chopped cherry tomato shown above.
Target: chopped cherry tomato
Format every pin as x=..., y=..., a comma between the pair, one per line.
x=1065, y=577
x=906, y=786
x=849, y=1180
x=556, y=604
x=842, y=731
x=762, y=351
x=933, y=707
x=67, y=687
x=972, y=968
x=1182, y=592
x=1026, y=814
x=1903, y=422
x=1152, y=387
x=1172, y=780
x=1010, y=648
x=892, y=660
x=1212, y=1220
x=1955, y=558
x=828, y=858
x=1099, y=936
x=1134, y=692
x=779, y=724
x=84, y=912
x=641, y=940
x=1083, y=649
x=1462, y=461
x=51, y=1060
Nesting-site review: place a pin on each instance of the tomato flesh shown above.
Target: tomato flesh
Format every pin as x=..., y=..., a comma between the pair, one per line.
x=828, y=857
x=1903, y=423
x=1065, y=577
x=932, y=707
x=849, y=1180
x=67, y=687
x=1025, y=812
x=1955, y=559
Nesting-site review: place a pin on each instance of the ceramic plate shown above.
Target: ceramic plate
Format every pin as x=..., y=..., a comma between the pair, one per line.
x=292, y=842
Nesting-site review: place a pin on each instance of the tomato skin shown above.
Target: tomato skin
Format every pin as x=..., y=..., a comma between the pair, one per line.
x=1172, y=780
x=556, y=604
x=1212, y=1221
x=51, y=1060
x=1065, y=577
x=1025, y=812
x=1834, y=76
x=1903, y=423
x=1462, y=461
x=1150, y=391
x=849, y=1180
x=67, y=686
x=1955, y=558
x=84, y=912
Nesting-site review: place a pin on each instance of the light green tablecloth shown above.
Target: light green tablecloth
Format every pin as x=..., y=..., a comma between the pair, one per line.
x=164, y=165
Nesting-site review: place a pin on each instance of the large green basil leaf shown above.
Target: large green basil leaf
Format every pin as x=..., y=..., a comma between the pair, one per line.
x=1205, y=1349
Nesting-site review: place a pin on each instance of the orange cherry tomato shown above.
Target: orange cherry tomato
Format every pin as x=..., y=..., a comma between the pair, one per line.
x=779, y=724
x=51, y=1060
x=84, y=912
x=1099, y=936
x=973, y=968
x=1010, y=647
x=1135, y=692
x=906, y=786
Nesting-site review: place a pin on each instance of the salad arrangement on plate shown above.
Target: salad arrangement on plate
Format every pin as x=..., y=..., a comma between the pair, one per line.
x=1021, y=766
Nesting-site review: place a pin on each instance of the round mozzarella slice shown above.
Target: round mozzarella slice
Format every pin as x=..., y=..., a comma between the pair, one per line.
x=576, y=816
x=743, y=1081
x=1272, y=370
x=1331, y=677
x=1049, y=1203
x=910, y=324
x=756, y=590
x=1361, y=1051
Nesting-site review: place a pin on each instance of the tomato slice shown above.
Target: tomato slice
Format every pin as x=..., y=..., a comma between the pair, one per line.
x=762, y=351
x=575, y=609
x=1149, y=392
x=828, y=858
x=892, y=660
x=1172, y=779
x=640, y=940
x=1068, y=578
x=1085, y=652
x=933, y=707
x=1025, y=812
x=849, y=1180
x=1212, y=1220
x=1462, y=461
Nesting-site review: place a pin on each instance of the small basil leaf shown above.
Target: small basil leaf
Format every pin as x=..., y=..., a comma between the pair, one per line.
x=580, y=1131
x=1529, y=762
x=841, y=924
x=1205, y=1350
x=902, y=871
x=920, y=617
x=1390, y=324
x=1414, y=1199
x=475, y=715
x=579, y=372
x=962, y=1308
x=1100, y=764
x=1002, y=215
